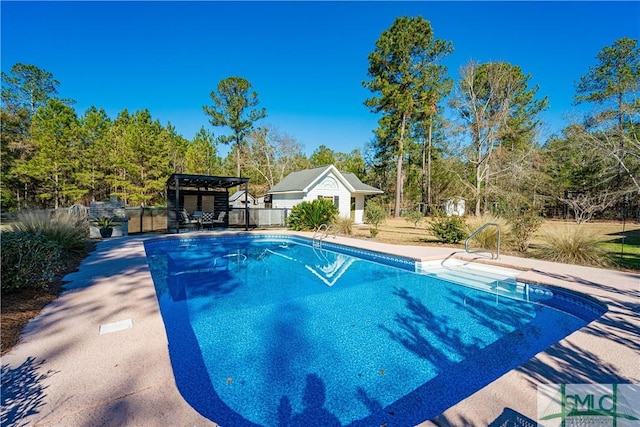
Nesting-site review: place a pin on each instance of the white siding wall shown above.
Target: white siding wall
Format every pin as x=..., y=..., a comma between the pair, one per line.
x=285, y=200
x=328, y=186
x=358, y=217
x=326, y=191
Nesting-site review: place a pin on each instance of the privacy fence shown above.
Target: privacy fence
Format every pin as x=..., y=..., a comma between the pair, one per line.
x=153, y=219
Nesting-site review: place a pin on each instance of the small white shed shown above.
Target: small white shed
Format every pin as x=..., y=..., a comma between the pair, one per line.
x=326, y=182
x=237, y=199
x=454, y=206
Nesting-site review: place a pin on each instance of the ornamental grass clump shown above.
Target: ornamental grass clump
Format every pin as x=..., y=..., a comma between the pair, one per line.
x=488, y=238
x=64, y=228
x=38, y=247
x=573, y=246
x=343, y=226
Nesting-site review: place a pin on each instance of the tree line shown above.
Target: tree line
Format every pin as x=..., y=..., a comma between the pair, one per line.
x=476, y=137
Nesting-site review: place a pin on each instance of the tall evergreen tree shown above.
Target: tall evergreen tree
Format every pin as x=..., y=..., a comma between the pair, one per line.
x=14, y=150
x=150, y=147
x=354, y=163
x=201, y=157
x=24, y=89
x=57, y=157
x=401, y=69
x=95, y=130
x=613, y=83
x=28, y=86
x=428, y=128
x=612, y=86
x=233, y=107
x=322, y=156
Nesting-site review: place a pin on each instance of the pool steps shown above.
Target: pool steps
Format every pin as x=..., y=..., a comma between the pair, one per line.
x=497, y=280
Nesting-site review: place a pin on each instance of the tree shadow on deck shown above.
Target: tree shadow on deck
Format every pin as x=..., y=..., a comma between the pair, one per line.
x=22, y=392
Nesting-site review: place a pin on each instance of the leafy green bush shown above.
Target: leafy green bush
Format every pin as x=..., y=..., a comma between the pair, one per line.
x=523, y=227
x=63, y=228
x=413, y=216
x=374, y=214
x=573, y=247
x=449, y=229
x=310, y=215
x=29, y=260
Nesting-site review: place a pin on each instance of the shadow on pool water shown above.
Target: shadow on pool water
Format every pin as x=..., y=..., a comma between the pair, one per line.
x=455, y=382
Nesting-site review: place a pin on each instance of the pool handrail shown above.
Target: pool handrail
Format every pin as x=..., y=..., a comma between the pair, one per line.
x=318, y=236
x=475, y=233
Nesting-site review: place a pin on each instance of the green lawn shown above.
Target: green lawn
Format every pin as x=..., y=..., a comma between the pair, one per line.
x=625, y=249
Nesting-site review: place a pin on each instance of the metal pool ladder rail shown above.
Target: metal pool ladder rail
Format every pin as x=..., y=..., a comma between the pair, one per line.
x=321, y=233
x=475, y=233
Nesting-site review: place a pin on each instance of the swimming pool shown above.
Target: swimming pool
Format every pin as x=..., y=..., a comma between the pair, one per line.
x=268, y=330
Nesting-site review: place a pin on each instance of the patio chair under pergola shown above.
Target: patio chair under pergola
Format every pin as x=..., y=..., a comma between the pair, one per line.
x=198, y=194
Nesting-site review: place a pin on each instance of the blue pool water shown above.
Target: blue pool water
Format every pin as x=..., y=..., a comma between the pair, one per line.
x=267, y=330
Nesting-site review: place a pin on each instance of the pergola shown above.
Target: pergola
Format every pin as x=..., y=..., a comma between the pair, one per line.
x=202, y=193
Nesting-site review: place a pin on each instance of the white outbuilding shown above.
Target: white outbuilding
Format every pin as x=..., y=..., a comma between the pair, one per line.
x=345, y=190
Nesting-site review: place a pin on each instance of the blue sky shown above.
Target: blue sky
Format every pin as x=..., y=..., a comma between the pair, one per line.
x=306, y=60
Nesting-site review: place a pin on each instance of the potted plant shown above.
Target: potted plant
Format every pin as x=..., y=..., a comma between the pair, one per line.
x=105, y=224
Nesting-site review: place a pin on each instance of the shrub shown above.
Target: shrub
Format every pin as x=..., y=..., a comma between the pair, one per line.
x=61, y=227
x=311, y=215
x=523, y=227
x=573, y=247
x=450, y=229
x=413, y=216
x=343, y=225
x=374, y=214
x=29, y=260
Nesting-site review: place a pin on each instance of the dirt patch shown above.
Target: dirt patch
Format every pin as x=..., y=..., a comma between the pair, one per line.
x=18, y=308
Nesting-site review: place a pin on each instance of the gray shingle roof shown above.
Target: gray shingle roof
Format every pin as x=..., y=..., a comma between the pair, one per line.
x=237, y=195
x=301, y=180
x=360, y=186
x=298, y=181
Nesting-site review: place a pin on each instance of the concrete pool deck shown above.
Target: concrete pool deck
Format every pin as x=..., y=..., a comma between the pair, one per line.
x=65, y=372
